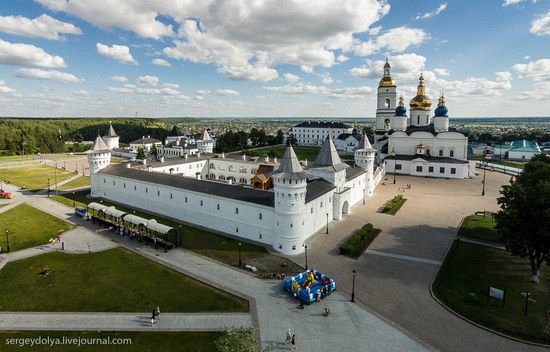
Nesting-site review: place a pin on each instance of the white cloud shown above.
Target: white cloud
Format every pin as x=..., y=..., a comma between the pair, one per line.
x=171, y=85
x=301, y=88
x=202, y=92
x=526, y=57
x=441, y=71
x=148, y=80
x=4, y=89
x=405, y=67
x=536, y=70
x=248, y=73
x=435, y=12
x=120, y=79
x=541, y=26
x=120, y=53
x=28, y=55
x=503, y=76
x=227, y=92
x=35, y=73
x=352, y=92
x=326, y=78
x=540, y=91
x=161, y=62
x=139, y=17
x=43, y=26
x=374, y=30
x=515, y=2
x=395, y=40
x=291, y=78
x=342, y=58
x=79, y=93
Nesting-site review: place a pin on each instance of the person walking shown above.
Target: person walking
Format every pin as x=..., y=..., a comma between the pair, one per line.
x=157, y=312
x=293, y=343
x=288, y=337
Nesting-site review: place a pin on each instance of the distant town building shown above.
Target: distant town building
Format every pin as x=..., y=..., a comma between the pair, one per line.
x=315, y=132
x=146, y=143
x=517, y=150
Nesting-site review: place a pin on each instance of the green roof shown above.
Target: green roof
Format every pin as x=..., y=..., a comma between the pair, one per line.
x=521, y=145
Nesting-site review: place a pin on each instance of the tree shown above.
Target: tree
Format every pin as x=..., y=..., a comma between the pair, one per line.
x=280, y=138
x=524, y=218
x=236, y=340
x=140, y=153
x=291, y=140
x=368, y=130
x=154, y=150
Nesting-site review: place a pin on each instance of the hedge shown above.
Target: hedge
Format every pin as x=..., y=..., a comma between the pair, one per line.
x=359, y=241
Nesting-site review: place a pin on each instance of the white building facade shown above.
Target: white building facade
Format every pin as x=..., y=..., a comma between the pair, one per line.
x=206, y=191
x=315, y=132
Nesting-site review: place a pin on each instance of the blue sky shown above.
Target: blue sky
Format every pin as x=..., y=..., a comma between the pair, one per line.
x=216, y=58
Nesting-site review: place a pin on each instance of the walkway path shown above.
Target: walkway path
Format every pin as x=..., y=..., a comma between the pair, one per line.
x=348, y=328
x=481, y=243
x=121, y=321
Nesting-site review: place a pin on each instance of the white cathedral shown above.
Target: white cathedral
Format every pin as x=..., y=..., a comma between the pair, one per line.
x=421, y=144
x=258, y=199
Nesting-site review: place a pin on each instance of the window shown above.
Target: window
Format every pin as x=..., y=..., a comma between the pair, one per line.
x=171, y=196
x=236, y=210
x=451, y=153
x=237, y=229
x=231, y=168
x=135, y=188
x=321, y=204
x=146, y=190
x=158, y=193
x=419, y=169
x=260, y=236
x=431, y=169
x=242, y=170
x=311, y=211
x=202, y=203
x=185, y=199
x=398, y=166
x=104, y=180
x=217, y=206
x=114, y=183
x=124, y=184
x=294, y=247
x=260, y=216
x=441, y=170
x=253, y=171
x=440, y=152
x=453, y=171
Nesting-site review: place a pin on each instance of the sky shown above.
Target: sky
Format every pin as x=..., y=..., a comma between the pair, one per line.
x=270, y=58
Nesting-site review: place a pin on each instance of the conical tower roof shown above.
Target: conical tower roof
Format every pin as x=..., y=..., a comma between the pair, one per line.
x=99, y=145
x=174, y=132
x=365, y=144
x=205, y=136
x=290, y=166
x=110, y=131
x=328, y=156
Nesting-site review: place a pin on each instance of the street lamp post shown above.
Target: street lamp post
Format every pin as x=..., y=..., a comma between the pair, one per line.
x=327, y=223
x=240, y=262
x=483, y=182
x=48, y=188
x=306, y=256
x=7, y=241
x=55, y=178
x=74, y=201
x=394, y=165
x=180, y=237
x=353, y=287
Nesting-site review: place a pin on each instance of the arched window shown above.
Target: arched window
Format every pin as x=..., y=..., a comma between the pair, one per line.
x=221, y=177
x=231, y=168
x=243, y=180
x=212, y=176
x=242, y=170
x=441, y=152
x=260, y=216
x=253, y=171
x=231, y=178
x=212, y=166
x=387, y=104
x=451, y=153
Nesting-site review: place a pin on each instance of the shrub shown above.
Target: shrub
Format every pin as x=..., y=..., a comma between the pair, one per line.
x=359, y=241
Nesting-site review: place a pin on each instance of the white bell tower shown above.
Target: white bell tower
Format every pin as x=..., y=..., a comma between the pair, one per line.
x=99, y=156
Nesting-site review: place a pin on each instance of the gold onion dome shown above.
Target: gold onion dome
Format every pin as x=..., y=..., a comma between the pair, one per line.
x=421, y=101
x=386, y=81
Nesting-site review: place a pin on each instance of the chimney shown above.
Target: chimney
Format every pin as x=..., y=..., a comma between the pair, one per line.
x=230, y=181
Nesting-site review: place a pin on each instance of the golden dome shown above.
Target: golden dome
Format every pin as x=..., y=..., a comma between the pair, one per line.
x=386, y=81
x=421, y=101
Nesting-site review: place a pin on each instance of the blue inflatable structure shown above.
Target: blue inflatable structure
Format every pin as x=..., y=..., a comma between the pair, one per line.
x=309, y=286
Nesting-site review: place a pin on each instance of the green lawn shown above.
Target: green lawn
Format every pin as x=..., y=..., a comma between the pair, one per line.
x=204, y=242
x=34, y=178
x=82, y=181
x=115, y=280
x=309, y=153
x=392, y=206
x=29, y=227
x=479, y=227
x=140, y=341
x=463, y=282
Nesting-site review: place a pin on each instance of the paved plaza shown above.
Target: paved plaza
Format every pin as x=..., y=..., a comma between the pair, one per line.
x=394, y=275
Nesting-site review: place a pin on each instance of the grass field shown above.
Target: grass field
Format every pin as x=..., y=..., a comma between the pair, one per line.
x=83, y=181
x=34, y=178
x=115, y=280
x=140, y=341
x=29, y=227
x=309, y=153
x=206, y=243
x=479, y=227
x=463, y=283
